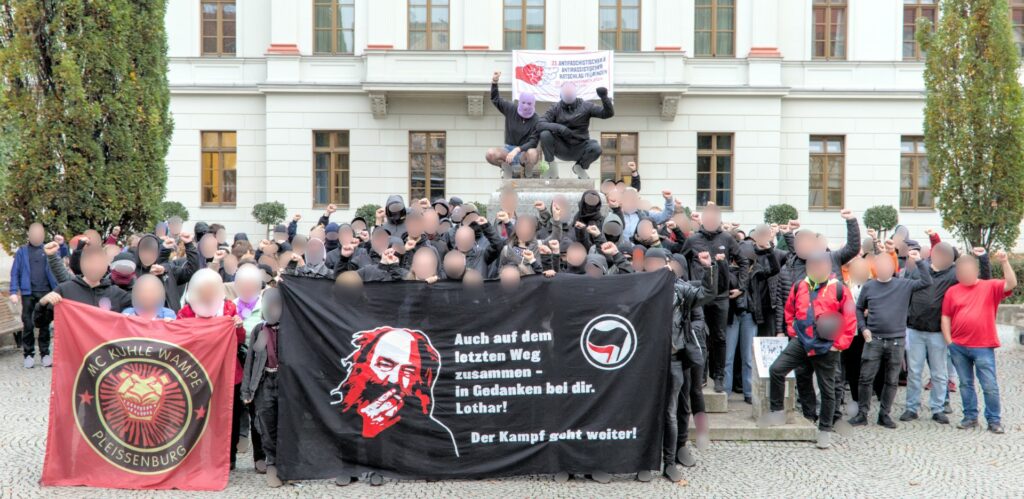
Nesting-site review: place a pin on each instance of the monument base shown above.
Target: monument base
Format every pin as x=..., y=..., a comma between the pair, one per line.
x=531, y=190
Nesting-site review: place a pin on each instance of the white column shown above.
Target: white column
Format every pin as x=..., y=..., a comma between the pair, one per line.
x=671, y=21
x=283, y=52
x=764, y=58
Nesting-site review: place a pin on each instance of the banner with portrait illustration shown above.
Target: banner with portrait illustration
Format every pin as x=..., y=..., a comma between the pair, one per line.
x=544, y=72
x=139, y=404
x=445, y=381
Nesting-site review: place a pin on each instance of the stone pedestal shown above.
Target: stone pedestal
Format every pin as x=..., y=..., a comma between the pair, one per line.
x=531, y=190
x=762, y=404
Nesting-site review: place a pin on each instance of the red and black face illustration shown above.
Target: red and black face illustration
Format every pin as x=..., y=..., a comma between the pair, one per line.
x=391, y=367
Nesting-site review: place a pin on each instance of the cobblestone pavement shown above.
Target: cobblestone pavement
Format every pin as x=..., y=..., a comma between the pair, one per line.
x=920, y=458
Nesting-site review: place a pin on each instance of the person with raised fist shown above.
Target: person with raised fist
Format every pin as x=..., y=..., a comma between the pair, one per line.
x=882, y=309
x=969, y=328
x=31, y=280
x=565, y=130
x=520, y=133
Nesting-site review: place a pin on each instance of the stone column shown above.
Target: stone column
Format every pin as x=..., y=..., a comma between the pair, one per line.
x=764, y=57
x=283, y=52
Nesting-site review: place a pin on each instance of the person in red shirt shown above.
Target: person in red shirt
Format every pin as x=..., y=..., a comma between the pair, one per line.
x=205, y=300
x=969, y=327
x=821, y=321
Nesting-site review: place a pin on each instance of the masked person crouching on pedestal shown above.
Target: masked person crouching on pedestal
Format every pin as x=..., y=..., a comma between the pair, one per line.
x=821, y=321
x=520, y=133
x=259, y=383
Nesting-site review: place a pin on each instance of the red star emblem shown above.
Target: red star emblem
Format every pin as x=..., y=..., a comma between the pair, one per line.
x=200, y=413
x=85, y=397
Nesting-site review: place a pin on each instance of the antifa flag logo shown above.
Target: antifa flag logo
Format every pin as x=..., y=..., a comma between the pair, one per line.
x=141, y=413
x=608, y=341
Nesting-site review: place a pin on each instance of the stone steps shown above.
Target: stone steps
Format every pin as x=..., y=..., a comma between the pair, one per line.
x=715, y=402
x=738, y=424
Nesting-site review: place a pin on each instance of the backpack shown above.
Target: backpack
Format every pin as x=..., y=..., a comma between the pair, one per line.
x=820, y=343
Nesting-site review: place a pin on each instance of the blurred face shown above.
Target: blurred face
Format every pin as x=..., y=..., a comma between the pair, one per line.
x=174, y=227
x=379, y=241
x=710, y=218
x=441, y=210
x=111, y=250
x=967, y=271
x=147, y=295
x=645, y=230
x=430, y=222
x=358, y=225
x=762, y=237
x=942, y=256
x=576, y=255
x=230, y=264
x=677, y=269
x=630, y=200
x=321, y=234
x=345, y=235
x=116, y=231
x=424, y=263
x=222, y=236
x=472, y=278
x=568, y=93
x=884, y=268
x=299, y=245
x=36, y=234
x=819, y=270
x=414, y=226
x=805, y=243
x=209, y=294
x=593, y=271
x=208, y=246
x=454, y=264
x=94, y=237
x=509, y=200
x=860, y=271
x=465, y=239
x=509, y=277
x=94, y=265
x=526, y=229
x=248, y=289
x=653, y=264
x=148, y=251
x=284, y=258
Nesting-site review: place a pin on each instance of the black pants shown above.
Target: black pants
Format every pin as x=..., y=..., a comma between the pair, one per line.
x=583, y=153
x=824, y=367
x=28, y=325
x=716, y=314
x=266, y=416
x=675, y=386
x=255, y=436
x=238, y=408
x=691, y=400
x=887, y=352
x=851, y=366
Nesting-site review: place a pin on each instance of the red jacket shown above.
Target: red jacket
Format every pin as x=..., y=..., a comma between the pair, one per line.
x=797, y=322
x=229, y=311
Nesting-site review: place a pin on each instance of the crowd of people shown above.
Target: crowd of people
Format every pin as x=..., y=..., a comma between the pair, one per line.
x=854, y=314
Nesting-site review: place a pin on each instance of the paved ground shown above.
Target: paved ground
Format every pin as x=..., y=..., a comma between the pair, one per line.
x=918, y=459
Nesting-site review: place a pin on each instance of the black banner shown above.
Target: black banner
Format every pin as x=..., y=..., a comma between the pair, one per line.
x=441, y=381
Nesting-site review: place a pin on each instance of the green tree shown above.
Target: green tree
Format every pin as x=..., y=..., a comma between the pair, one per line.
x=84, y=106
x=369, y=213
x=780, y=214
x=169, y=209
x=882, y=218
x=973, y=122
x=269, y=213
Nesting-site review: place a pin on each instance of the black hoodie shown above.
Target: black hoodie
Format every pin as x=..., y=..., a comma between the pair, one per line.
x=571, y=121
x=718, y=242
x=395, y=222
x=176, y=274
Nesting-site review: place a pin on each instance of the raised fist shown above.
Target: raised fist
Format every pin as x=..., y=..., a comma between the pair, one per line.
x=51, y=248
x=719, y=257
x=872, y=233
x=502, y=217
x=186, y=237
x=389, y=258
x=347, y=250
x=539, y=205
x=1001, y=257
x=667, y=194
x=613, y=200
x=846, y=214
x=549, y=273
x=794, y=224
x=602, y=92
x=528, y=256
x=554, y=245
x=379, y=216
x=609, y=249
x=631, y=165
x=695, y=217
x=929, y=232
x=481, y=221
x=914, y=255
x=157, y=270
x=890, y=246
x=59, y=239
x=364, y=236
x=704, y=258
x=593, y=230
x=331, y=208
x=219, y=255
x=297, y=217
x=670, y=225
x=410, y=245
x=978, y=251
x=543, y=249
x=495, y=77
x=425, y=204
x=264, y=244
x=579, y=225
x=168, y=243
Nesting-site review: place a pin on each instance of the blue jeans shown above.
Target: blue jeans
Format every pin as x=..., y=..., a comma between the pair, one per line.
x=742, y=330
x=510, y=148
x=922, y=346
x=980, y=361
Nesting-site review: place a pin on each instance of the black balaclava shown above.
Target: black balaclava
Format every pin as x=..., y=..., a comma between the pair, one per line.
x=148, y=243
x=589, y=207
x=612, y=228
x=394, y=210
x=270, y=306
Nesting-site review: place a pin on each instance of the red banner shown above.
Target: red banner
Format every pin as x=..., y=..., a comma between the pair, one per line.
x=139, y=404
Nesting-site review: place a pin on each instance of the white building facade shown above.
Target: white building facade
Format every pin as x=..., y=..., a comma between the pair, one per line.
x=815, y=103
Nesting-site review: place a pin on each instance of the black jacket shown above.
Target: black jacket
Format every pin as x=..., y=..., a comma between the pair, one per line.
x=571, y=122
x=689, y=297
x=519, y=131
x=757, y=296
x=925, y=312
x=78, y=290
x=382, y=273
x=717, y=242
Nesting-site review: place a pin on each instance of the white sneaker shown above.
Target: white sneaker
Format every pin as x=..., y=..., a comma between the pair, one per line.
x=552, y=172
x=30, y=362
x=47, y=361
x=824, y=440
x=774, y=418
x=580, y=172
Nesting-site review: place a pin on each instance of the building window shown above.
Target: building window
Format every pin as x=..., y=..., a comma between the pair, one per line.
x=218, y=27
x=428, y=24
x=330, y=168
x=915, y=178
x=219, y=174
x=426, y=165
x=714, y=169
x=827, y=174
x=619, y=25
x=1017, y=21
x=618, y=150
x=524, y=24
x=912, y=11
x=715, y=32
x=333, y=26
x=830, y=29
